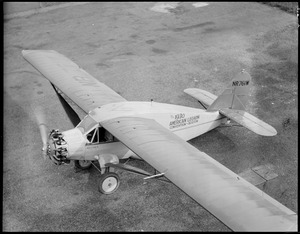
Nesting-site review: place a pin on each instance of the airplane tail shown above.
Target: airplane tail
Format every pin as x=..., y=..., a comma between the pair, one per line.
x=232, y=104
x=236, y=95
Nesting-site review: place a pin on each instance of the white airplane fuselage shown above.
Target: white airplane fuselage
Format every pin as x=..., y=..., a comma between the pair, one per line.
x=185, y=122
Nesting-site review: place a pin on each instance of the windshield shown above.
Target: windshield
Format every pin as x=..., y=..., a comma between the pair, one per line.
x=86, y=124
x=100, y=135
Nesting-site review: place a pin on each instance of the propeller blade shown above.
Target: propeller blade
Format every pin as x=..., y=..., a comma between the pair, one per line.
x=41, y=121
x=69, y=110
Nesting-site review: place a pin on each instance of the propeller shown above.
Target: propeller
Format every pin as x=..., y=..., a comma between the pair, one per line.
x=50, y=140
x=41, y=121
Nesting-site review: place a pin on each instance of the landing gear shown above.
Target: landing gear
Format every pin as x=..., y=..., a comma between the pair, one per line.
x=83, y=164
x=108, y=183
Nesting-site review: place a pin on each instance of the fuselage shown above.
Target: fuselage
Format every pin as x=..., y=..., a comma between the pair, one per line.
x=185, y=122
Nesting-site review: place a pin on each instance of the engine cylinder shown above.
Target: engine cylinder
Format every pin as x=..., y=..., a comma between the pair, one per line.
x=58, y=148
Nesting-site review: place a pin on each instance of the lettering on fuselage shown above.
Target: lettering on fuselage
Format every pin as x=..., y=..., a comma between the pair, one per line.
x=181, y=121
x=240, y=83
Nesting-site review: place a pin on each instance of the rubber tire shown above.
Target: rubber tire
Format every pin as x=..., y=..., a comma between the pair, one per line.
x=85, y=167
x=106, y=180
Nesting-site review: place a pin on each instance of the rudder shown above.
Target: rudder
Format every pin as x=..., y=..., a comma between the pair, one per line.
x=236, y=95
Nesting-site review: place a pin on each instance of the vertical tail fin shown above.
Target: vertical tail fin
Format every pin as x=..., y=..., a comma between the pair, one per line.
x=235, y=96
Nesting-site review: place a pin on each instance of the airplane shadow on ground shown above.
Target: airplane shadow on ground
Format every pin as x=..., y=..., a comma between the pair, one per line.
x=214, y=142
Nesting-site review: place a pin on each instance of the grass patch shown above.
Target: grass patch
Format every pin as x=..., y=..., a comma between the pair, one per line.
x=290, y=7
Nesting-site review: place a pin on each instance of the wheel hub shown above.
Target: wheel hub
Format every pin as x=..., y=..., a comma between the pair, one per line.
x=109, y=184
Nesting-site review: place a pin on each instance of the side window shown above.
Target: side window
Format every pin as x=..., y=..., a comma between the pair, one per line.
x=100, y=135
x=105, y=136
x=93, y=136
x=108, y=137
x=90, y=135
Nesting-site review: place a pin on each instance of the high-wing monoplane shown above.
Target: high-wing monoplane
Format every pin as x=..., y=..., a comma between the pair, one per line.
x=115, y=129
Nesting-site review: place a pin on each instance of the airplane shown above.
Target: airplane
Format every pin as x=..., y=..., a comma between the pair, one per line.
x=115, y=129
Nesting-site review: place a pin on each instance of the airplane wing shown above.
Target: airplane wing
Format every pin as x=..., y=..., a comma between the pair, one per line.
x=82, y=88
x=249, y=121
x=237, y=203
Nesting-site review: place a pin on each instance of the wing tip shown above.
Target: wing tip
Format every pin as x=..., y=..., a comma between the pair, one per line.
x=26, y=52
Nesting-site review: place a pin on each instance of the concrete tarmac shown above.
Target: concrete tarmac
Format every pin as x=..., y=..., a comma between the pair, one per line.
x=143, y=52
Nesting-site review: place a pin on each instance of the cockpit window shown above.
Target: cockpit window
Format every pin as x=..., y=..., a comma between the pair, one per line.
x=93, y=136
x=100, y=135
x=90, y=135
x=86, y=124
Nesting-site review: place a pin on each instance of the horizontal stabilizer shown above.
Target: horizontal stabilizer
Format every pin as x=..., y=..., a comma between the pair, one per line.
x=249, y=121
x=203, y=96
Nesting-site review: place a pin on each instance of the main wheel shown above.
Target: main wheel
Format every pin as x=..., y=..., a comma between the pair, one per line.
x=83, y=164
x=108, y=183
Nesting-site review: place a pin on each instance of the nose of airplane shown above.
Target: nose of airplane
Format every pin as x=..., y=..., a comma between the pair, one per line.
x=75, y=143
x=67, y=145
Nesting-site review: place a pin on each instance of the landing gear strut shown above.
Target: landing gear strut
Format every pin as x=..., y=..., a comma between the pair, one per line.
x=109, y=181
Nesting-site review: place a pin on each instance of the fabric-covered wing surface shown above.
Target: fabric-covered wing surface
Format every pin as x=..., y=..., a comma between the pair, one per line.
x=236, y=202
x=82, y=88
